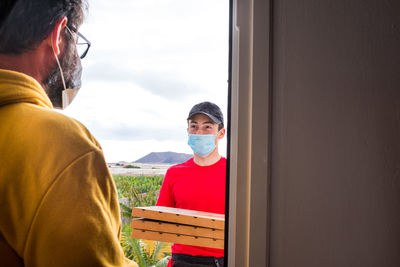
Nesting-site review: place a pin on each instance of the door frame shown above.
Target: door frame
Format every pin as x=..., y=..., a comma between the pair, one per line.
x=249, y=133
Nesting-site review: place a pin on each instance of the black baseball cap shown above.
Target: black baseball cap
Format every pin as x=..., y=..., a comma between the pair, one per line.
x=209, y=109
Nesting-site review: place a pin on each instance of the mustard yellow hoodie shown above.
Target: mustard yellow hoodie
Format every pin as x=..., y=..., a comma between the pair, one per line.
x=58, y=203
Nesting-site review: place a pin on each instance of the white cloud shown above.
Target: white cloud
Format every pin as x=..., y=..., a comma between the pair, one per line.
x=150, y=62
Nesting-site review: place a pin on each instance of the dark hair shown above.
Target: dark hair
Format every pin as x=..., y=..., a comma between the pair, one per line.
x=24, y=24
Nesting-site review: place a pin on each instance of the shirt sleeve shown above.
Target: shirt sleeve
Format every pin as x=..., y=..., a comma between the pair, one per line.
x=166, y=196
x=78, y=221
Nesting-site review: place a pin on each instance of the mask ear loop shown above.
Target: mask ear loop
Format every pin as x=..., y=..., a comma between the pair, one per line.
x=59, y=65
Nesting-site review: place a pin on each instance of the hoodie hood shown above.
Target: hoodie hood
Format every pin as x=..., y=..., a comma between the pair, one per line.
x=16, y=87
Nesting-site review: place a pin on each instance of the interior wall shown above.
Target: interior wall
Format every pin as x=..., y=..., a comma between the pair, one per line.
x=336, y=133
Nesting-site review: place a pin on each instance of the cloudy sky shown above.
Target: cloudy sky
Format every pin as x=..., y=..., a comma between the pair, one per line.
x=150, y=62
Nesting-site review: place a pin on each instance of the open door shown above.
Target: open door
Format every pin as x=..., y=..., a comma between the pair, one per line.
x=315, y=137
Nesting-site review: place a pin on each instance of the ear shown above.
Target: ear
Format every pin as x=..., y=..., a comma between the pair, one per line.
x=55, y=35
x=221, y=133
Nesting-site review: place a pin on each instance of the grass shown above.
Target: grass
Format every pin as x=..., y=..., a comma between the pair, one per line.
x=139, y=191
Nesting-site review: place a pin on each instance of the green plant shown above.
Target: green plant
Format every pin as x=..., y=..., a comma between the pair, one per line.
x=129, y=166
x=163, y=262
x=137, y=191
x=146, y=253
x=142, y=184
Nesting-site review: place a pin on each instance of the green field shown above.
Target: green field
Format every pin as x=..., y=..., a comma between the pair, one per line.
x=139, y=191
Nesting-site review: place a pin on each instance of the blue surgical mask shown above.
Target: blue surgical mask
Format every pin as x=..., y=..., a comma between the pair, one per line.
x=202, y=144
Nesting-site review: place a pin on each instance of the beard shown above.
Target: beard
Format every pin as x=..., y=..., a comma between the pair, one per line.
x=72, y=71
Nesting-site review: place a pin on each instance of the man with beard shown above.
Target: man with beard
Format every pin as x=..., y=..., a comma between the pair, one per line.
x=58, y=201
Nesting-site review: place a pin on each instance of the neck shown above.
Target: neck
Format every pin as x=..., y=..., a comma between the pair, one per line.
x=208, y=160
x=31, y=63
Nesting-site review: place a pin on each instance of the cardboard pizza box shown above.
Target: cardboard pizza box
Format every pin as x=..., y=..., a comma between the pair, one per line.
x=175, y=228
x=179, y=226
x=181, y=216
x=179, y=239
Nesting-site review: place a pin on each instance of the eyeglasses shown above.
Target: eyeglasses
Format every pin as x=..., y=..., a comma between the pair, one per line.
x=83, y=44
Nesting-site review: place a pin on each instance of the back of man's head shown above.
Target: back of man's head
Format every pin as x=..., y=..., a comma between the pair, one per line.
x=25, y=23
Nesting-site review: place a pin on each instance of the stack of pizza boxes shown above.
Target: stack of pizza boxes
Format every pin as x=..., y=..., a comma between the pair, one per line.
x=179, y=226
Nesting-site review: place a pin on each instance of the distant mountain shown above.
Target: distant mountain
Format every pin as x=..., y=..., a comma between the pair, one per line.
x=164, y=158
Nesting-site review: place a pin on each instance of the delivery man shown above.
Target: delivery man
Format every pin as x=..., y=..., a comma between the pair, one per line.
x=199, y=183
